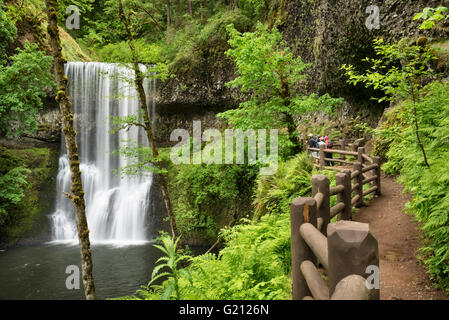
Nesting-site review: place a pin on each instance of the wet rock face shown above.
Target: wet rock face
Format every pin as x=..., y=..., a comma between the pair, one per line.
x=204, y=85
x=48, y=122
x=332, y=33
x=49, y=126
x=325, y=33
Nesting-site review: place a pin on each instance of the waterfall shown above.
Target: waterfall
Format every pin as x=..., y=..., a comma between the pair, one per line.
x=117, y=208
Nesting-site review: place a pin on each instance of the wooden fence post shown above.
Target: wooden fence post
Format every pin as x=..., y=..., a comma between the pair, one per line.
x=322, y=156
x=358, y=180
x=360, y=152
x=352, y=147
x=320, y=183
x=301, y=210
x=352, y=249
x=343, y=147
x=344, y=179
x=376, y=160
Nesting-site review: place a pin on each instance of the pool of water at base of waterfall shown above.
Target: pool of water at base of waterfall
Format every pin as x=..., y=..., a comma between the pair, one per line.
x=39, y=272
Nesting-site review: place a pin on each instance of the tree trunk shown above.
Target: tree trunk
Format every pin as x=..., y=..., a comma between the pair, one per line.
x=138, y=81
x=168, y=18
x=201, y=9
x=190, y=8
x=415, y=121
x=236, y=4
x=77, y=193
x=291, y=125
x=418, y=137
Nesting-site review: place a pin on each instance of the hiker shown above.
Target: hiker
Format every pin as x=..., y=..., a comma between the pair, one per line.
x=312, y=143
x=329, y=146
x=321, y=142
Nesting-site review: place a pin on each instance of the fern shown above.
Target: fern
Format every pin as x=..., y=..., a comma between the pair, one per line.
x=430, y=188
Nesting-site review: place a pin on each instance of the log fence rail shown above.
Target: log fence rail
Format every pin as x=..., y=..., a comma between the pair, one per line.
x=344, y=249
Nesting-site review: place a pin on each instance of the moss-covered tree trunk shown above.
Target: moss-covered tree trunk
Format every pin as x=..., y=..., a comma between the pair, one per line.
x=291, y=125
x=77, y=192
x=138, y=81
x=168, y=17
x=190, y=8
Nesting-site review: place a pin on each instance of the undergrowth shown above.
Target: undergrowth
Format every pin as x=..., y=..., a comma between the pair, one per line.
x=255, y=263
x=429, y=186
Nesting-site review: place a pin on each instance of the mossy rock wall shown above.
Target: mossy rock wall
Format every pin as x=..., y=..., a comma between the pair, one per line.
x=332, y=33
x=325, y=33
x=29, y=220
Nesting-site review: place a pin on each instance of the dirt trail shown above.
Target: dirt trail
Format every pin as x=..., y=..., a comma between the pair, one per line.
x=398, y=235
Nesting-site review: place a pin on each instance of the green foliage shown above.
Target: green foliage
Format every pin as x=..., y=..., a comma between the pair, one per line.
x=275, y=193
x=170, y=289
x=141, y=160
x=254, y=265
x=202, y=193
x=26, y=177
x=8, y=32
x=430, y=187
x=269, y=73
x=148, y=53
x=192, y=44
x=431, y=16
x=11, y=186
x=12, y=183
x=397, y=70
x=400, y=71
x=254, y=8
x=22, y=86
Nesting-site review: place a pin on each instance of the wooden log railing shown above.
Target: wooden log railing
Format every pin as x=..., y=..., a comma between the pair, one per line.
x=360, y=166
x=344, y=254
x=344, y=249
x=356, y=150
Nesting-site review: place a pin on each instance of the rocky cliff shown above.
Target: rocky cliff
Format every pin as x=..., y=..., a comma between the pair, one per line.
x=325, y=33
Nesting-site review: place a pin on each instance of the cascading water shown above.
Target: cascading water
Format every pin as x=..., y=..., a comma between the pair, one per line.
x=117, y=208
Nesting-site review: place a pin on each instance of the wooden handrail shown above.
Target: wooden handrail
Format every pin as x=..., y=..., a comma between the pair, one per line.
x=319, y=199
x=354, y=174
x=336, y=190
x=313, y=236
x=367, y=180
x=355, y=199
x=316, y=284
x=370, y=190
x=370, y=167
x=319, y=223
x=339, y=207
x=367, y=158
x=338, y=160
x=316, y=241
x=353, y=287
x=349, y=153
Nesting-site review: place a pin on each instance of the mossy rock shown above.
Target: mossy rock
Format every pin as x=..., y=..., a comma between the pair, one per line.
x=442, y=52
x=28, y=220
x=391, y=119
